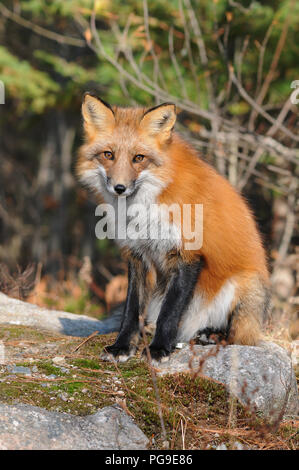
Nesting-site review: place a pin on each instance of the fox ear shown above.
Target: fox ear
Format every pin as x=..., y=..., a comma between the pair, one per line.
x=97, y=114
x=159, y=121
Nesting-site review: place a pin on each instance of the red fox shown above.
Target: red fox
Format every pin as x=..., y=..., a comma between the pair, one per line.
x=222, y=286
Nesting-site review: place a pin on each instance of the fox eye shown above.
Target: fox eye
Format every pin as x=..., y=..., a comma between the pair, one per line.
x=108, y=155
x=138, y=158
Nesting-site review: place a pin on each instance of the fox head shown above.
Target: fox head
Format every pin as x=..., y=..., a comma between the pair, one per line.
x=124, y=147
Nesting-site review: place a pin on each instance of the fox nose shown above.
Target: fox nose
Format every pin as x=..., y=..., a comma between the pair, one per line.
x=119, y=188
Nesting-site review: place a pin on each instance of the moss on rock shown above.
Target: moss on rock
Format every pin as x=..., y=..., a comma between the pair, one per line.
x=68, y=378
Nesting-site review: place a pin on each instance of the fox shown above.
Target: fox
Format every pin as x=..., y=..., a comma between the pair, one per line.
x=221, y=286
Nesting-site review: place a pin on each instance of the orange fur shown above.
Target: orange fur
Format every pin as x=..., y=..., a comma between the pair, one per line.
x=231, y=242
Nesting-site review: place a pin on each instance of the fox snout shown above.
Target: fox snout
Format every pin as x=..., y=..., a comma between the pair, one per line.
x=119, y=187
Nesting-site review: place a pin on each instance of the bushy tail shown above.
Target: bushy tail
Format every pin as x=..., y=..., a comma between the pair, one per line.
x=249, y=316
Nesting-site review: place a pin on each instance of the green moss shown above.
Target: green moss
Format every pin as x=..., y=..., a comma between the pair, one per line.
x=86, y=363
x=25, y=364
x=23, y=333
x=48, y=369
x=72, y=387
x=67, y=397
x=134, y=368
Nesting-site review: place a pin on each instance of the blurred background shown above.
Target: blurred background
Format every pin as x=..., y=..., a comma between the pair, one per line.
x=229, y=66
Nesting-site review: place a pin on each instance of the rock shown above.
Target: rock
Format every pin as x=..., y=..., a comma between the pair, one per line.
x=239, y=446
x=30, y=427
x=58, y=359
x=16, y=312
x=64, y=396
x=261, y=377
x=13, y=369
x=221, y=447
x=295, y=352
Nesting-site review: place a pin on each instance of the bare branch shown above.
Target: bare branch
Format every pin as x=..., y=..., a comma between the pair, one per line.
x=175, y=64
x=61, y=38
x=258, y=108
x=271, y=73
x=189, y=50
x=260, y=150
x=261, y=58
x=289, y=224
x=157, y=70
x=239, y=6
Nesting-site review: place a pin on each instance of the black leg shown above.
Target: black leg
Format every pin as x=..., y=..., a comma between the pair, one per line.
x=130, y=321
x=177, y=298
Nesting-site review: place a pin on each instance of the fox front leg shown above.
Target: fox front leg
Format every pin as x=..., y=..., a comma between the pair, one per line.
x=122, y=348
x=176, y=301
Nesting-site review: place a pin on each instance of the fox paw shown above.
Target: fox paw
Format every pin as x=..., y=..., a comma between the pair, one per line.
x=115, y=353
x=204, y=339
x=158, y=355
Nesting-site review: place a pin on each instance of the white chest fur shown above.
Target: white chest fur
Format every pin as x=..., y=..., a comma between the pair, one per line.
x=148, y=227
x=136, y=222
x=142, y=225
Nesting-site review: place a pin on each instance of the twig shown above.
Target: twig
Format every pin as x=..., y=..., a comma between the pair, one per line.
x=239, y=6
x=155, y=385
x=259, y=151
x=157, y=70
x=261, y=58
x=183, y=430
x=189, y=50
x=175, y=63
x=95, y=333
x=241, y=57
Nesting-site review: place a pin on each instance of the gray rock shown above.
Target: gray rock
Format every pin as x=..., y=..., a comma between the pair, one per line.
x=30, y=427
x=221, y=447
x=261, y=377
x=19, y=370
x=238, y=446
x=16, y=312
x=294, y=346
